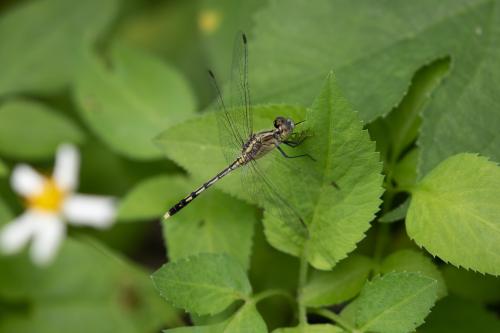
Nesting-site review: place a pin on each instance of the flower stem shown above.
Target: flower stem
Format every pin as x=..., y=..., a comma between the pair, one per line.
x=302, y=282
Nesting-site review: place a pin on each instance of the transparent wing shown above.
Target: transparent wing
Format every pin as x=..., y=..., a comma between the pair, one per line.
x=239, y=87
x=255, y=181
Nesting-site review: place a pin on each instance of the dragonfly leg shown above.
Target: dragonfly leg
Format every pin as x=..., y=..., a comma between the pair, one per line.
x=287, y=156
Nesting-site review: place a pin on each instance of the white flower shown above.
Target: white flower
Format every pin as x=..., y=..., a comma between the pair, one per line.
x=50, y=202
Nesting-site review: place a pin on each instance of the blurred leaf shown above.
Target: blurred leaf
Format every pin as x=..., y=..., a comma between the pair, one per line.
x=64, y=297
x=404, y=173
x=397, y=214
x=39, y=41
x=395, y=303
x=414, y=261
x=472, y=286
x=458, y=316
x=128, y=105
x=318, y=328
x=341, y=284
x=245, y=320
x=31, y=130
x=150, y=198
x=3, y=169
x=5, y=213
x=220, y=22
x=454, y=213
x=218, y=224
x=203, y=284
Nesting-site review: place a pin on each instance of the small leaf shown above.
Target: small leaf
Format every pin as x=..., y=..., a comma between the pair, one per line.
x=395, y=303
x=455, y=315
x=246, y=320
x=454, y=213
x=217, y=223
x=130, y=104
x=414, y=261
x=318, y=328
x=53, y=31
x=341, y=284
x=396, y=214
x=32, y=130
x=203, y=284
x=472, y=286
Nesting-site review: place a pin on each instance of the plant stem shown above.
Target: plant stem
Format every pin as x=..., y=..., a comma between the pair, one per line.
x=337, y=319
x=302, y=282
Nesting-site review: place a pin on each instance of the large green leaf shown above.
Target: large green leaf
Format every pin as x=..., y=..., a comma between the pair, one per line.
x=454, y=213
x=414, y=261
x=455, y=315
x=203, y=284
x=341, y=284
x=87, y=288
x=375, y=47
x=39, y=41
x=395, y=303
x=32, y=130
x=128, y=105
x=336, y=218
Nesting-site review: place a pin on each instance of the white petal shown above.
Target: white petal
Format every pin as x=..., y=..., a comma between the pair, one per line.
x=67, y=167
x=26, y=181
x=91, y=210
x=16, y=234
x=49, y=234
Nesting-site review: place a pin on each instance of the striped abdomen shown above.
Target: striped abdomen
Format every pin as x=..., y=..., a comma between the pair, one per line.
x=184, y=202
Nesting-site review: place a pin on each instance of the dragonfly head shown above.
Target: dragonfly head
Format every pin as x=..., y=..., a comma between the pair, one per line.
x=284, y=125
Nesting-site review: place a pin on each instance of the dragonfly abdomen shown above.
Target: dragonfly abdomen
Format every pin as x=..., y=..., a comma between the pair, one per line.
x=184, y=202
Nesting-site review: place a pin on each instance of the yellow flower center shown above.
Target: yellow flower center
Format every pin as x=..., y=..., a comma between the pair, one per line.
x=209, y=21
x=50, y=199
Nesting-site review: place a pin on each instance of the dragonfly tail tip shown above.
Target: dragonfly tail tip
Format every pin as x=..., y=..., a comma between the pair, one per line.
x=166, y=216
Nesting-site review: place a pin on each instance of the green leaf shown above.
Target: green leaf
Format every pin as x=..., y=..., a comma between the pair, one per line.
x=414, y=261
x=3, y=169
x=150, y=198
x=40, y=39
x=459, y=316
x=203, y=284
x=472, y=286
x=218, y=223
x=129, y=105
x=396, y=214
x=118, y=296
x=32, y=130
x=337, y=217
x=245, y=320
x=395, y=303
x=318, y=328
x=341, y=284
x=454, y=213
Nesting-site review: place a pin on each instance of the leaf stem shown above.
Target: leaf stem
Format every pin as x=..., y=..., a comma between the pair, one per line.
x=336, y=318
x=303, y=268
x=273, y=292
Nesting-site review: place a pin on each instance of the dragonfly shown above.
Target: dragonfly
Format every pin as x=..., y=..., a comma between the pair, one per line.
x=235, y=122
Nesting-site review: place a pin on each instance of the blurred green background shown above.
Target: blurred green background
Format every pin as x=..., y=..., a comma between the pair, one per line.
x=111, y=75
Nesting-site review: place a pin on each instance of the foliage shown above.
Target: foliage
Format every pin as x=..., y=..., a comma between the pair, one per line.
x=392, y=225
